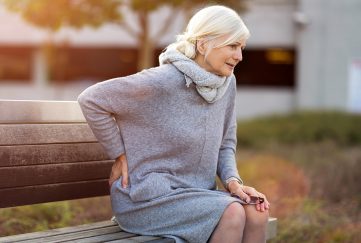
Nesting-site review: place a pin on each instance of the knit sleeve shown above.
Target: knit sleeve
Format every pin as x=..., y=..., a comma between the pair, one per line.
x=107, y=103
x=99, y=114
x=227, y=166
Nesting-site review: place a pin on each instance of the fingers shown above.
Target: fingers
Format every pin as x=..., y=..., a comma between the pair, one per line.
x=111, y=181
x=120, y=167
x=244, y=196
x=124, y=170
x=247, y=191
x=265, y=205
x=115, y=172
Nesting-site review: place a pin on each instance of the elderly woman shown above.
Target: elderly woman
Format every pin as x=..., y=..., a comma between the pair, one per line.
x=171, y=130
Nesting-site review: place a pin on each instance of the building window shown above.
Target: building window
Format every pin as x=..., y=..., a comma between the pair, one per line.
x=268, y=68
x=15, y=64
x=70, y=64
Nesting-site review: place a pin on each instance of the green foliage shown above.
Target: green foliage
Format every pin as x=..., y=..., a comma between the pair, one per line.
x=335, y=171
x=34, y=218
x=327, y=147
x=301, y=128
x=53, y=15
x=313, y=223
x=314, y=189
x=328, y=165
x=38, y=217
x=305, y=225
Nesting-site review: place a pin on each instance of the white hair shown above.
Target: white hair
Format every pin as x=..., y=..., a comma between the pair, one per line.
x=209, y=24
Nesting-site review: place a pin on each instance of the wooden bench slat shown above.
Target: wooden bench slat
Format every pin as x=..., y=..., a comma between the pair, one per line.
x=164, y=240
x=108, y=231
x=142, y=238
x=20, y=155
x=51, y=193
x=33, y=175
x=27, y=134
x=104, y=238
x=161, y=240
x=32, y=111
x=59, y=231
x=85, y=234
x=148, y=239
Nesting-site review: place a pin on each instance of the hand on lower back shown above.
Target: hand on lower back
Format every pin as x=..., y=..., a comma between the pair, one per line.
x=119, y=168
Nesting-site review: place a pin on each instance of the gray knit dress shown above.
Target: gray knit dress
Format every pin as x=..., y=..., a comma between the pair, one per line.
x=176, y=143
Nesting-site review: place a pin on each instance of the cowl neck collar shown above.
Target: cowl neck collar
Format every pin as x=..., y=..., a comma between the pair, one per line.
x=209, y=85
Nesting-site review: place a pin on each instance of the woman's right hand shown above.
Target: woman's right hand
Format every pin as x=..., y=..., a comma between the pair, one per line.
x=119, y=168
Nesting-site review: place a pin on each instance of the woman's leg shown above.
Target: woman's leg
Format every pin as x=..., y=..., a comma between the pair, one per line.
x=231, y=225
x=256, y=225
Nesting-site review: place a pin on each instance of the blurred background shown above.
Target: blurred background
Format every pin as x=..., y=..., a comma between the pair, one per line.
x=298, y=101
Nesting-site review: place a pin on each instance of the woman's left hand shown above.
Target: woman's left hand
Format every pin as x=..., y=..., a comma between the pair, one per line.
x=244, y=192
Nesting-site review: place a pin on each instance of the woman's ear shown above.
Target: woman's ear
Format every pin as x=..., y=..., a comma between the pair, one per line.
x=201, y=47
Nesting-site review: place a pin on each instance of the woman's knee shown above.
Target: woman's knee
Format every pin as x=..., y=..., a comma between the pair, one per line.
x=256, y=218
x=235, y=215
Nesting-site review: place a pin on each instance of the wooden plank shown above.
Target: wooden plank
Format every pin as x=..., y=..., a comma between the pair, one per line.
x=104, y=238
x=45, y=133
x=53, y=173
x=104, y=234
x=12, y=197
x=59, y=231
x=85, y=234
x=271, y=233
x=28, y=134
x=20, y=155
x=163, y=240
x=32, y=111
x=143, y=238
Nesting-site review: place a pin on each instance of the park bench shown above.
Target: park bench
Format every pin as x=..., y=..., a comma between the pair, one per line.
x=44, y=145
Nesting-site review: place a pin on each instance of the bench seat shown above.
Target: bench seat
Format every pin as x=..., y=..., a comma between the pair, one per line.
x=106, y=231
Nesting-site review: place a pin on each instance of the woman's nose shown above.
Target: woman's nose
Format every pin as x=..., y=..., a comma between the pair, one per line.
x=238, y=54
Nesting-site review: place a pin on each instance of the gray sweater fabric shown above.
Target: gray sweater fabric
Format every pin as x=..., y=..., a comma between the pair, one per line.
x=176, y=144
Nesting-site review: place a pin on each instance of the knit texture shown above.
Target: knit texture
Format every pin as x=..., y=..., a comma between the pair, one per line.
x=210, y=86
x=175, y=142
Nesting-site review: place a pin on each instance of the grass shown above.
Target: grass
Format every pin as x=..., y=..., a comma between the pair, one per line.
x=45, y=216
x=309, y=165
x=313, y=190
x=301, y=128
x=34, y=217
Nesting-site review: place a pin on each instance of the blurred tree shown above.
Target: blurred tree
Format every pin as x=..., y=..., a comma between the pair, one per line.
x=54, y=14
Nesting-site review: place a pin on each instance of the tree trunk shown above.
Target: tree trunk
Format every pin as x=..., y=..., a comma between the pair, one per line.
x=145, y=44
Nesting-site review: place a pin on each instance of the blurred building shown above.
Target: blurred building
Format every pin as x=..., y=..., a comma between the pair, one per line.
x=302, y=54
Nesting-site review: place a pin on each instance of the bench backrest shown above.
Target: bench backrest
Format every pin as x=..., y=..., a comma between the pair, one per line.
x=48, y=153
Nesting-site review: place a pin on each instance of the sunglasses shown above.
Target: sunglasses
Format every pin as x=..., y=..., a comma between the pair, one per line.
x=254, y=199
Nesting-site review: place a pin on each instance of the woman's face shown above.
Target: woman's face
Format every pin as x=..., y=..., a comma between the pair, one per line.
x=220, y=60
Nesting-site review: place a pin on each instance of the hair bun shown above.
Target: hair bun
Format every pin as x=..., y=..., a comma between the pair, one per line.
x=187, y=48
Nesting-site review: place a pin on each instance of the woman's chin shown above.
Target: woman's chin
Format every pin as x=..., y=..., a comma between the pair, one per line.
x=228, y=73
x=225, y=72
